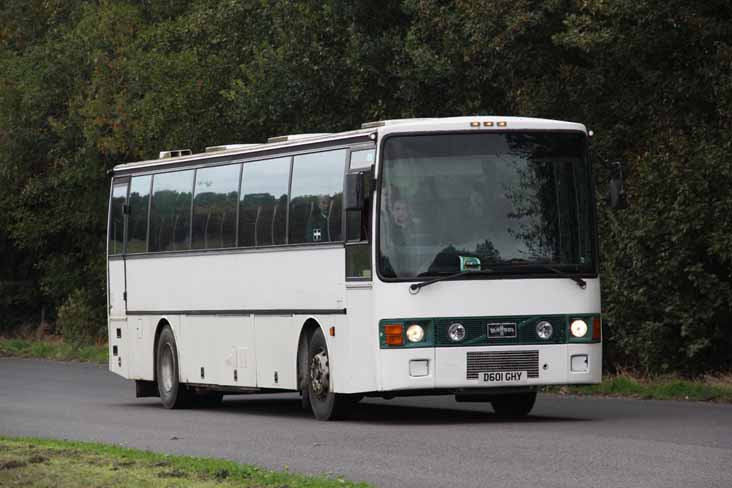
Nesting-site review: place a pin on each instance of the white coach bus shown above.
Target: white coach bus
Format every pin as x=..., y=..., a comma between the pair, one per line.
x=422, y=256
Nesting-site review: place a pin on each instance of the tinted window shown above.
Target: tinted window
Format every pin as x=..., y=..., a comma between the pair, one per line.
x=358, y=261
x=137, y=220
x=214, y=207
x=358, y=222
x=170, y=213
x=263, y=212
x=317, y=194
x=117, y=218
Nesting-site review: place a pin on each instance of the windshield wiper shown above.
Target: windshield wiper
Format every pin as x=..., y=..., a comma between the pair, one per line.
x=414, y=288
x=580, y=282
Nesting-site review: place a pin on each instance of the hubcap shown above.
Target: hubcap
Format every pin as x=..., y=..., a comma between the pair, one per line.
x=166, y=368
x=320, y=374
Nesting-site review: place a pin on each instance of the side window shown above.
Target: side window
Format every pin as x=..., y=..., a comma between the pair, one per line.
x=170, y=211
x=317, y=197
x=139, y=208
x=117, y=217
x=214, y=207
x=263, y=202
x=362, y=159
x=358, y=223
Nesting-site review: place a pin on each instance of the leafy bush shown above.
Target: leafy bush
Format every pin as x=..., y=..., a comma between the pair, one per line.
x=80, y=320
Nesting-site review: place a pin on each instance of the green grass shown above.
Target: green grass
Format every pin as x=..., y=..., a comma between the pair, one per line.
x=718, y=389
x=40, y=463
x=53, y=349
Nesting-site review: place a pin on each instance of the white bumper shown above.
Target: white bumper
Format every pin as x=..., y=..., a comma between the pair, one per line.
x=447, y=367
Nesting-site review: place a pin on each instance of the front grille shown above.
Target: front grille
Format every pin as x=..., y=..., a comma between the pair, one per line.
x=494, y=361
x=476, y=329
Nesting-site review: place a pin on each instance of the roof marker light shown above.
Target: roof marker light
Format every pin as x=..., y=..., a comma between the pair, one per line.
x=475, y=124
x=488, y=124
x=502, y=123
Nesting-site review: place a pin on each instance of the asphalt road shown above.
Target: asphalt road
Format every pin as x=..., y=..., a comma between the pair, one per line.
x=417, y=442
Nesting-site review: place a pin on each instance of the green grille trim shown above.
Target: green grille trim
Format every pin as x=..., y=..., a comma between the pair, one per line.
x=476, y=330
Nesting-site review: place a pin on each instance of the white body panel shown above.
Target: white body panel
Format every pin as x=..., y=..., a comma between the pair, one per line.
x=117, y=288
x=483, y=298
x=475, y=298
x=274, y=279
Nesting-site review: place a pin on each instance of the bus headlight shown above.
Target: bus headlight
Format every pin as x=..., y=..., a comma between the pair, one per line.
x=578, y=328
x=456, y=332
x=544, y=330
x=415, y=333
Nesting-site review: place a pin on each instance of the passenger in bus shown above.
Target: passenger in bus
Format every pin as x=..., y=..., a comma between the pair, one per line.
x=317, y=227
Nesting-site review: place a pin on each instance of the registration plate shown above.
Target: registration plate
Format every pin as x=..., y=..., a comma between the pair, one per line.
x=505, y=377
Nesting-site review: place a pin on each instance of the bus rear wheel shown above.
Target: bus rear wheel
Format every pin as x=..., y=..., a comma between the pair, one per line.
x=326, y=404
x=173, y=394
x=514, y=405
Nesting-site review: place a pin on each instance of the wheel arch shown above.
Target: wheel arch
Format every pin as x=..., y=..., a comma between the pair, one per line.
x=307, y=330
x=162, y=322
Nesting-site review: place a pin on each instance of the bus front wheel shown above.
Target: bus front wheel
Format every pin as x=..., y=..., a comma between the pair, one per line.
x=514, y=405
x=326, y=404
x=173, y=394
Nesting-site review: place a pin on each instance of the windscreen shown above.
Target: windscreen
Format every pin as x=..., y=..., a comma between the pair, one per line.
x=492, y=200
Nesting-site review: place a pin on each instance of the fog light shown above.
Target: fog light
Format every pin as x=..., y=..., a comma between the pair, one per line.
x=415, y=333
x=579, y=363
x=456, y=332
x=544, y=330
x=578, y=328
x=419, y=367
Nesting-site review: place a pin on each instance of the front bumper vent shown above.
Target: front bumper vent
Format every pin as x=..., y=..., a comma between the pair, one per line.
x=495, y=361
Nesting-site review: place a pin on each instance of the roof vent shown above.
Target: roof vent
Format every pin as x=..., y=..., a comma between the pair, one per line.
x=175, y=153
x=295, y=137
x=382, y=123
x=371, y=125
x=228, y=147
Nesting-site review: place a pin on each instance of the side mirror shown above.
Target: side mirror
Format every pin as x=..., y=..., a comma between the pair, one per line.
x=356, y=188
x=616, y=197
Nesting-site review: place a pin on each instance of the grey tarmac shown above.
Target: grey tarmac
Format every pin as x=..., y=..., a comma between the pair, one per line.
x=413, y=442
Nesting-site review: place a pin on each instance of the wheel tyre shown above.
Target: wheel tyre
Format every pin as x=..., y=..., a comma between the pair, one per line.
x=325, y=404
x=515, y=405
x=173, y=393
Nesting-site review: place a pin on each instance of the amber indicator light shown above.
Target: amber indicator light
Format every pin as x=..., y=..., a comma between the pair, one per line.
x=596, y=329
x=394, y=334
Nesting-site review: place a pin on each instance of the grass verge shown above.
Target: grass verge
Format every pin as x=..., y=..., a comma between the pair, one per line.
x=55, y=349
x=717, y=389
x=37, y=463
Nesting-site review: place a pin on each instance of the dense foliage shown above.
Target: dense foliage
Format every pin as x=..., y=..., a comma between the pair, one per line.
x=86, y=85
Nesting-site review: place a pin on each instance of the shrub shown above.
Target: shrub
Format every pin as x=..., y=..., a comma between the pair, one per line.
x=80, y=320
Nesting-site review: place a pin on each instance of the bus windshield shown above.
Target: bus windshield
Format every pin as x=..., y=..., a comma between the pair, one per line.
x=512, y=202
